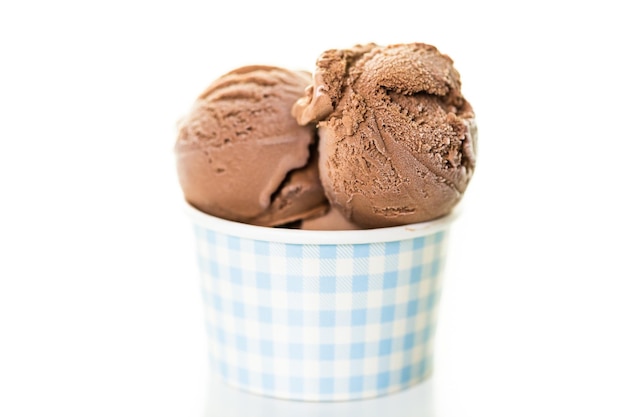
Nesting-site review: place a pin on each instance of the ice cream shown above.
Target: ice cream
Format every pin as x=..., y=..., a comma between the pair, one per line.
x=242, y=156
x=397, y=138
x=397, y=141
x=381, y=136
x=332, y=220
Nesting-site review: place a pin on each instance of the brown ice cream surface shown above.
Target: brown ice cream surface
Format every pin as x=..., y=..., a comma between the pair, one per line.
x=242, y=156
x=331, y=220
x=397, y=138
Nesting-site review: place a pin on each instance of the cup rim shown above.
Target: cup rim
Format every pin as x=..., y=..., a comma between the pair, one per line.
x=319, y=237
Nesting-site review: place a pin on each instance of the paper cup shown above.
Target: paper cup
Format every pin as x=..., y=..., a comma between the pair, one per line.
x=320, y=315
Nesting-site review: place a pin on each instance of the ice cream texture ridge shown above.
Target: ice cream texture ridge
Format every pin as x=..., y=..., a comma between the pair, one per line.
x=378, y=136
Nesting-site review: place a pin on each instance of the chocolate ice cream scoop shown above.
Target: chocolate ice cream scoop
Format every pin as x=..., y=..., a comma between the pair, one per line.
x=397, y=138
x=242, y=156
x=332, y=220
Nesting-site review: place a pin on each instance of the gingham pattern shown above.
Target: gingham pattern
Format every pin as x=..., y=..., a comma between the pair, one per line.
x=320, y=322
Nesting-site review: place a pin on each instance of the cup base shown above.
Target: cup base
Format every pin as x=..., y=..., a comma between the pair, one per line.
x=310, y=398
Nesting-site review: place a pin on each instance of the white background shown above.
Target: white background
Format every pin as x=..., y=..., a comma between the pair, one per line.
x=100, y=311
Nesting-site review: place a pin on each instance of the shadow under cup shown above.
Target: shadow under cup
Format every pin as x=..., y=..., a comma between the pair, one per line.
x=320, y=315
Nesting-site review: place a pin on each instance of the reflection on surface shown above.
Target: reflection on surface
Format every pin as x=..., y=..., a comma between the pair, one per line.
x=225, y=401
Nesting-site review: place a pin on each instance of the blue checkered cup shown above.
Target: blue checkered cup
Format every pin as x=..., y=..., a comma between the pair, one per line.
x=320, y=315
